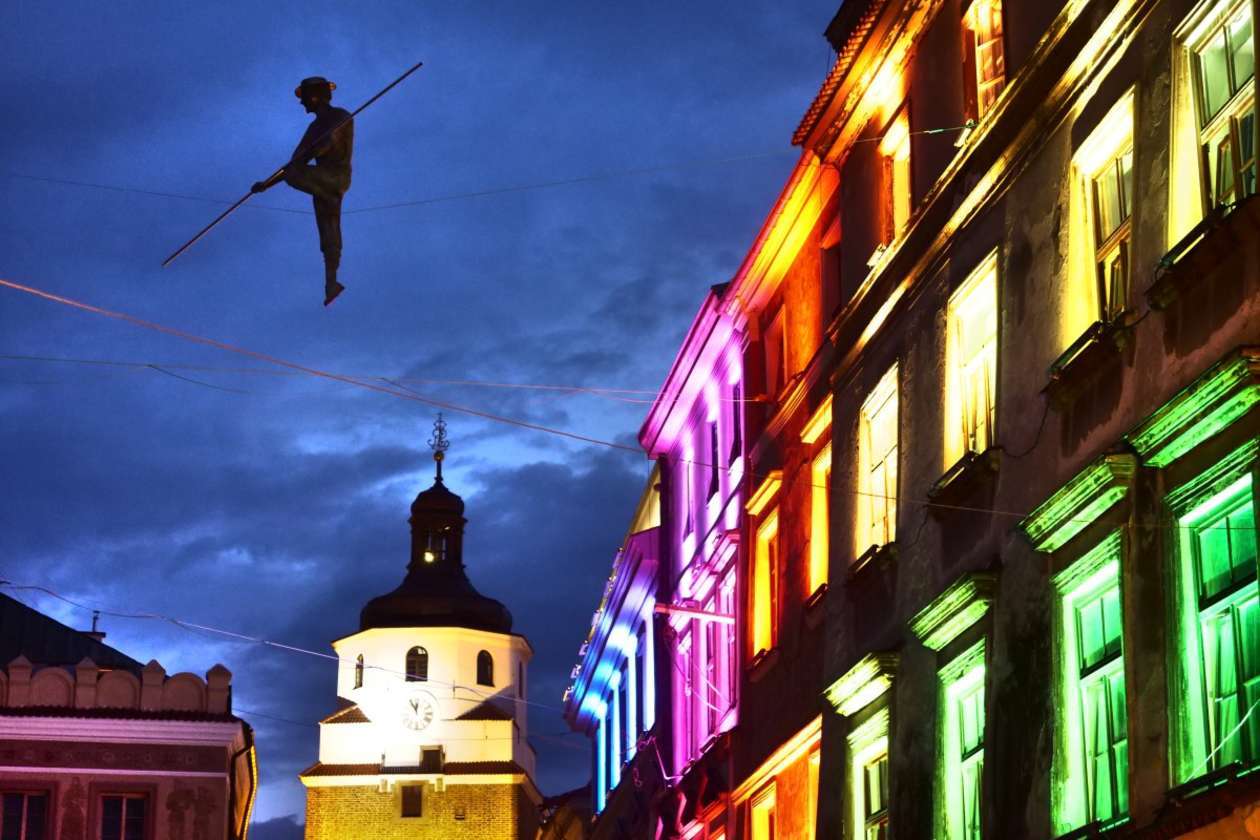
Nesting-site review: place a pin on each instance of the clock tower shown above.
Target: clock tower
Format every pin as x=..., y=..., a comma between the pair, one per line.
x=429, y=738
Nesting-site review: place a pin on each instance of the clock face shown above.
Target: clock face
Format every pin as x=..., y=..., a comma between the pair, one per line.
x=418, y=710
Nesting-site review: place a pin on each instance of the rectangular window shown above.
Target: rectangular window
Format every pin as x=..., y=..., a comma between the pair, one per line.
x=820, y=519
x=124, y=817
x=1094, y=763
x=1112, y=197
x=763, y=816
x=765, y=585
x=715, y=466
x=775, y=347
x=894, y=148
x=686, y=695
x=737, y=423
x=413, y=800
x=1223, y=63
x=23, y=816
x=1222, y=540
x=984, y=59
x=875, y=797
x=624, y=700
x=877, y=457
x=726, y=604
x=641, y=666
x=971, y=360
x=962, y=744
x=712, y=652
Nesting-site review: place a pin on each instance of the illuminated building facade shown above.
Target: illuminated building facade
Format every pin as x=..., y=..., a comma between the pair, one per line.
x=613, y=698
x=696, y=434
x=429, y=740
x=1038, y=225
x=96, y=746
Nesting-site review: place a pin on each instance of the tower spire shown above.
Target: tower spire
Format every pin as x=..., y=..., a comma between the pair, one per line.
x=439, y=443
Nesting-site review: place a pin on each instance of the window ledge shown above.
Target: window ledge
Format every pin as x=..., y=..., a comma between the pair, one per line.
x=973, y=470
x=1075, y=369
x=1099, y=828
x=877, y=556
x=1200, y=251
x=814, y=611
x=762, y=664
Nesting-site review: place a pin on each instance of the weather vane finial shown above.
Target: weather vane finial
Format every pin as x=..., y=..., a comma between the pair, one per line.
x=439, y=443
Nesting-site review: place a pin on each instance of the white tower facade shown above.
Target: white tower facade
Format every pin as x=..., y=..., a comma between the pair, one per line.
x=429, y=740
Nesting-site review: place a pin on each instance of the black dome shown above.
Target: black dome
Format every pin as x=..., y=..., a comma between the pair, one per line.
x=436, y=591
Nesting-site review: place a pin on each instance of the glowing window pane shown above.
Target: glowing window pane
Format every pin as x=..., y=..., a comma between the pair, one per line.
x=972, y=361
x=765, y=581
x=984, y=55
x=875, y=797
x=878, y=457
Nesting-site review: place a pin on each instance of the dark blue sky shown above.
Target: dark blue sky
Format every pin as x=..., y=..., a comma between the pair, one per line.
x=276, y=505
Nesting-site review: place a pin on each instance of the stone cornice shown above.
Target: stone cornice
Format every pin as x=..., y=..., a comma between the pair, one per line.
x=1079, y=502
x=1207, y=406
x=864, y=683
x=960, y=606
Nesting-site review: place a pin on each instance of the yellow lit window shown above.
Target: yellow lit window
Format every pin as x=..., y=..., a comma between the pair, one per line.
x=1223, y=63
x=984, y=58
x=1102, y=207
x=895, y=149
x=763, y=817
x=765, y=584
x=820, y=519
x=971, y=359
x=877, y=460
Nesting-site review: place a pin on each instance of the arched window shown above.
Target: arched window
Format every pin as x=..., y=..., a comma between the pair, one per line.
x=358, y=672
x=417, y=665
x=485, y=668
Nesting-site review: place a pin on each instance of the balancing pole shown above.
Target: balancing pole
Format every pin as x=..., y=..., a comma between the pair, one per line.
x=316, y=142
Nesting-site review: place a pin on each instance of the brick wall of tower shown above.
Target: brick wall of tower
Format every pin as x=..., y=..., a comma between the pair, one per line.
x=490, y=812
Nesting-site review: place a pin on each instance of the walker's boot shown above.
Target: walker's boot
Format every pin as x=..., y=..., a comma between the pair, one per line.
x=331, y=287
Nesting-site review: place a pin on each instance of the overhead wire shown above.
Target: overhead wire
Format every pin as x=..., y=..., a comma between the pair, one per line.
x=410, y=394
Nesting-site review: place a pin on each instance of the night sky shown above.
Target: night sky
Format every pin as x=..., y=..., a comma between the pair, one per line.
x=275, y=505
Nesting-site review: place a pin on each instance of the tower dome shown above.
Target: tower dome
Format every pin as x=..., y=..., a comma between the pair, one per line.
x=436, y=591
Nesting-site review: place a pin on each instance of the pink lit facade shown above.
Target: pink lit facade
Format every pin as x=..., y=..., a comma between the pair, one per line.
x=696, y=434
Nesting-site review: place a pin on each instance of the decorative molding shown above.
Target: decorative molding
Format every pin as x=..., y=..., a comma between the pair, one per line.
x=819, y=423
x=1213, y=480
x=971, y=471
x=960, y=606
x=1207, y=406
x=765, y=493
x=1079, y=502
x=864, y=683
x=1110, y=550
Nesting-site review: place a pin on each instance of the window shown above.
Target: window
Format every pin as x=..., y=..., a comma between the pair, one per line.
x=1102, y=206
x=1221, y=539
x=765, y=583
x=971, y=361
x=614, y=734
x=962, y=743
x=715, y=466
x=1094, y=763
x=984, y=60
x=23, y=816
x=417, y=665
x=713, y=705
x=894, y=148
x=877, y=457
x=124, y=817
x=412, y=800
x=623, y=709
x=775, y=348
x=686, y=702
x=820, y=519
x=358, y=671
x=1223, y=63
x=875, y=797
x=726, y=605
x=485, y=668
x=737, y=414
x=829, y=271
x=520, y=680
x=1111, y=198
x=641, y=666
x=763, y=816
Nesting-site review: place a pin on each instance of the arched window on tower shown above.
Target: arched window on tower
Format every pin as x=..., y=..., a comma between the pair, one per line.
x=358, y=672
x=417, y=665
x=485, y=668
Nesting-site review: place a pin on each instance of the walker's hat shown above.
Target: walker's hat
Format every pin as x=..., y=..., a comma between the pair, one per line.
x=314, y=82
